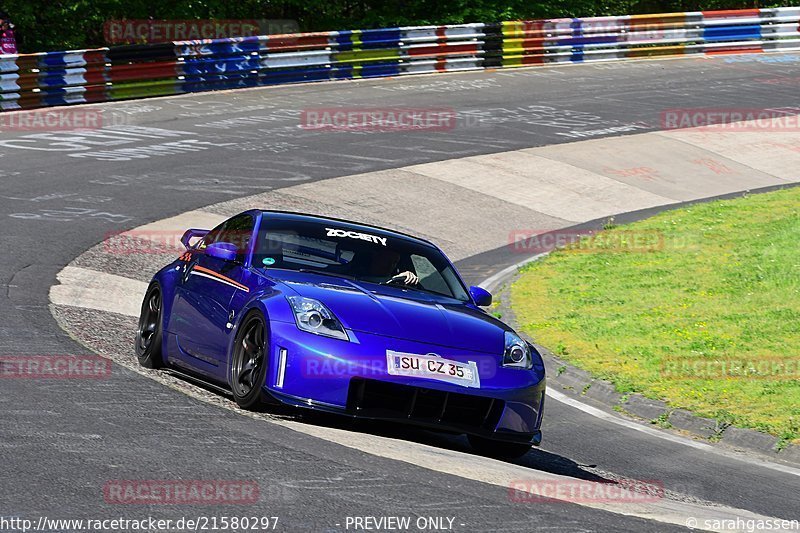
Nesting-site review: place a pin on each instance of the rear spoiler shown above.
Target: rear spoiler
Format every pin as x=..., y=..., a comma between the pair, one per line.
x=191, y=234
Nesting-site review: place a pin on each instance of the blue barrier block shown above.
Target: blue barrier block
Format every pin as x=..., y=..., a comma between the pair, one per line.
x=369, y=70
x=60, y=59
x=377, y=70
x=55, y=100
x=52, y=80
x=576, y=27
x=344, y=72
x=732, y=33
x=344, y=40
x=382, y=38
x=295, y=75
x=206, y=83
x=369, y=39
x=219, y=48
x=62, y=98
x=197, y=66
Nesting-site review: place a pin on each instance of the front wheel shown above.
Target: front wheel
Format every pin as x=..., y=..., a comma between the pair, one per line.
x=249, y=362
x=148, y=335
x=497, y=448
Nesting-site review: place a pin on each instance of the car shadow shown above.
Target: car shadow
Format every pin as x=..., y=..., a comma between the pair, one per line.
x=536, y=459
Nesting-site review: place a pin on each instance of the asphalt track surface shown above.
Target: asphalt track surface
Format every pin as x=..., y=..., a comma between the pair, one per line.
x=62, y=441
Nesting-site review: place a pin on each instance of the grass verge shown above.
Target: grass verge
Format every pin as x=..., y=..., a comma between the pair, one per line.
x=699, y=307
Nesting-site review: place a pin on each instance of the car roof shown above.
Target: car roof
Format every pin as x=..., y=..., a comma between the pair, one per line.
x=304, y=217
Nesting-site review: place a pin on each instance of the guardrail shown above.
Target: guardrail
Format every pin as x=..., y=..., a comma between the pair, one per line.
x=59, y=78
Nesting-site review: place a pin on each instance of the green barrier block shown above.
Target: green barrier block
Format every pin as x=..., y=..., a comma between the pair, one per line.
x=141, y=89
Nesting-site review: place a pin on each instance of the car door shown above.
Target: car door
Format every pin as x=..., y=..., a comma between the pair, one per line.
x=202, y=315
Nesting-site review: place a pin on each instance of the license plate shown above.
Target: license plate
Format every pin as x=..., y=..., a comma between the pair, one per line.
x=433, y=367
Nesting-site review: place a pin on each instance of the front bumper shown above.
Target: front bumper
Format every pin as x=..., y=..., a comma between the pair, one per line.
x=351, y=378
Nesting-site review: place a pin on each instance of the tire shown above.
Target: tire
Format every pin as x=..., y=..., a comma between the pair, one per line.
x=497, y=448
x=249, y=363
x=149, y=333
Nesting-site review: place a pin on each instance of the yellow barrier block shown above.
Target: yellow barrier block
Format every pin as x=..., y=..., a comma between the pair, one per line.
x=512, y=61
x=656, y=51
x=513, y=29
x=523, y=60
x=355, y=38
x=660, y=22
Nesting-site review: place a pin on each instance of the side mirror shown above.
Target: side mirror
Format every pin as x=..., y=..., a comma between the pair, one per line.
x=480, y=296
x=223, y=250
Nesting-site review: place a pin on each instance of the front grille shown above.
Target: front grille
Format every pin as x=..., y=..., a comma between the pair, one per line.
x=380, y=399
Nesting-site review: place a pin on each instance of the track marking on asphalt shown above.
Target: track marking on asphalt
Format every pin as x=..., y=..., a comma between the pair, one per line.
x=90, y=289
x=492, y=282
x=630, y=424
x=599, y=413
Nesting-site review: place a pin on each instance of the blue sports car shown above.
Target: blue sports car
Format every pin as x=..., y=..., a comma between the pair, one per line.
x=326, y=314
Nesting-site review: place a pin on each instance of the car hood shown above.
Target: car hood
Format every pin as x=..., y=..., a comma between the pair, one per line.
x=401, y=313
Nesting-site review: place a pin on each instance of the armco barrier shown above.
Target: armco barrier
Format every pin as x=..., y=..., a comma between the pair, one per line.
x=53, y=78
x=59, y=78
x=141, y=71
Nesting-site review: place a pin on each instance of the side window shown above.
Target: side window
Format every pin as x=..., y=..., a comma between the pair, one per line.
x=237, y=231
x=429, y=277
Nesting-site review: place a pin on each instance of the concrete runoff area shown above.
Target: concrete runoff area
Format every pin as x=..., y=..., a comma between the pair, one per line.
x=482, y=197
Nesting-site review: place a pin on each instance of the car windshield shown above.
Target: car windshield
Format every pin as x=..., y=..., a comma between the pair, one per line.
x=338, y=249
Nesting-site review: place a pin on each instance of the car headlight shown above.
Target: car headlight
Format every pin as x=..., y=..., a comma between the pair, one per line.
x=517, y=353
x=312, y=316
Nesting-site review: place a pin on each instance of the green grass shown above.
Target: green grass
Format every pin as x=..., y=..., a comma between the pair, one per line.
x=722, y=283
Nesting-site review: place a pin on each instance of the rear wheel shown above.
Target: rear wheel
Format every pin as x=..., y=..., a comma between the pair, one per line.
x=148, y=335
x=249, y=363
x=497, y=448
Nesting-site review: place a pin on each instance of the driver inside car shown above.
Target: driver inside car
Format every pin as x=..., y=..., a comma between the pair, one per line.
x=383, y=267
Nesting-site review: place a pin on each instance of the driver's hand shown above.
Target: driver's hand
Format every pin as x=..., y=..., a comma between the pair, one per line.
x=407, y=277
